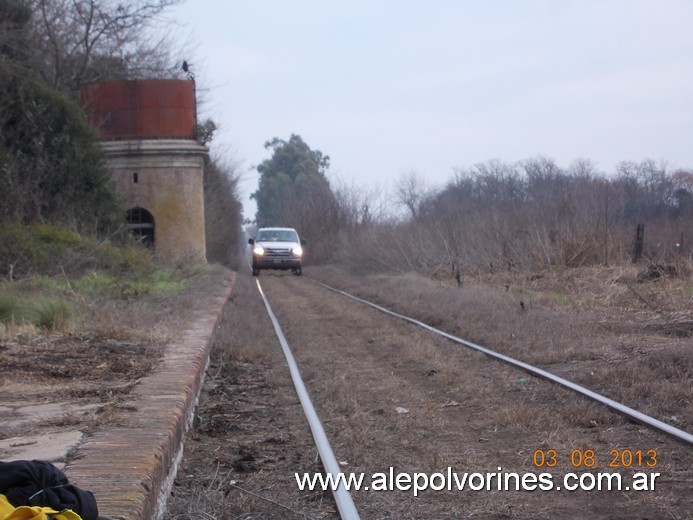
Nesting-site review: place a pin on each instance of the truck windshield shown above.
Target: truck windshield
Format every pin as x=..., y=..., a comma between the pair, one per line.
x=277, y=235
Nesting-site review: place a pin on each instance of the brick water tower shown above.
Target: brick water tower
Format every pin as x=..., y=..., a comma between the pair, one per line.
x=147, y=131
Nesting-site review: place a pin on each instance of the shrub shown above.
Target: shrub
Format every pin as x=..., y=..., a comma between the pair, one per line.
x=222, y=213
x=55, y=249
x=51, y=164
x=49, y=313
x=9, y=308
x=52, y=313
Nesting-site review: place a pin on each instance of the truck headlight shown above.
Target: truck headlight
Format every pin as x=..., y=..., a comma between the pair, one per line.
x=259, y=251
x=297, y=251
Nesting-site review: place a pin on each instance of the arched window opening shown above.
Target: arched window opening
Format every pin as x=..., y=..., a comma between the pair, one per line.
x=141, y=224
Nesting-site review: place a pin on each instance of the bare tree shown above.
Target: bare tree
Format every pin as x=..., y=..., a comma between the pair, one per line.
x=78, y=41
x=223, y=212
x=412, y=191
x=533, y=215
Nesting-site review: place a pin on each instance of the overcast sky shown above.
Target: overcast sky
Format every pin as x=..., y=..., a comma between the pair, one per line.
x=386, y=87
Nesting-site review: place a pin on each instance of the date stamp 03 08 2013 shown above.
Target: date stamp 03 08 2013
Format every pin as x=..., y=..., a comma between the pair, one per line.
x=587, y=458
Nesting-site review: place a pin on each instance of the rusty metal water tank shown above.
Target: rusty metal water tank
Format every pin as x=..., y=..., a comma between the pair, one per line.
x=141, y=109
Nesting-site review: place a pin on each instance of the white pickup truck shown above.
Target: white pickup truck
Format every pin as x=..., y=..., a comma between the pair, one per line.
x=277, y=248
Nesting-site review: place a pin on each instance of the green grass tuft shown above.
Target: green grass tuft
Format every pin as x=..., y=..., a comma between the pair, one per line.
x=49, y=313
x=52, y=314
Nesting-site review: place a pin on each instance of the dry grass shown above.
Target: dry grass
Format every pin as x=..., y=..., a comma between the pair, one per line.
x=246, y=424
x=235, y=341
x=389, y=394
x=598, y=327
x=13, y=330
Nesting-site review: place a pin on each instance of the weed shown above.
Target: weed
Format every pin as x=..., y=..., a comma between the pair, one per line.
x=520, y=416
x=46, y=313
x=53, y=314
x=44, y=283
x=56, y=274
x=586, y=414
x=93, y=283
x=53, y=249
x=563, y=299
x=9, y=308
x=558, y=330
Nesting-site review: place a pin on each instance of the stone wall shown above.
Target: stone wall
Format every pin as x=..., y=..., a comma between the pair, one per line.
x=165, y=178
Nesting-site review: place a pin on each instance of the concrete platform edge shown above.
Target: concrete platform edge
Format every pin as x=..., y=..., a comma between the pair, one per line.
x=131, y=468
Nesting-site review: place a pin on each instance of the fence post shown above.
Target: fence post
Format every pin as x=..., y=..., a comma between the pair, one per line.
x=638, y=242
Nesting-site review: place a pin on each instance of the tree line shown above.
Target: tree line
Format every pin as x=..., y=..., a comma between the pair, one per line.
x=534, y=214
x=490, y=217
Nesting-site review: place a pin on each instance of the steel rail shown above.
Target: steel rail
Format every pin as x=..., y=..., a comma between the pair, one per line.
x=345, y=504
x=621, y=408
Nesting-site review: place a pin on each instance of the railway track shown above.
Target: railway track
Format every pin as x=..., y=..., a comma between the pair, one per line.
x=345, y=504
x=627, y=411
x=391, y=394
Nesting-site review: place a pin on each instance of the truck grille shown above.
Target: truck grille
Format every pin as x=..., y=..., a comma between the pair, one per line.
x=277, y=252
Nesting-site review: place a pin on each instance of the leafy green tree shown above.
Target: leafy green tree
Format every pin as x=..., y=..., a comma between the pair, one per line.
x=292, y=165
x=294, y=192
x=51, y=166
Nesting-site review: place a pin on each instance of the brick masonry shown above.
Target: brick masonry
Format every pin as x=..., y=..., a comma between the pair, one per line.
x=169, y=184
x=130, y=469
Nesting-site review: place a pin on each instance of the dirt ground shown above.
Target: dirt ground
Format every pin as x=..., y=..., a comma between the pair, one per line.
x=66, y=385
x=71, y=382
x=393, y=396
x=389, y=395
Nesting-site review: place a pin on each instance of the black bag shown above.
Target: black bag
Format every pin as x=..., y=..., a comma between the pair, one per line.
x=40, y=483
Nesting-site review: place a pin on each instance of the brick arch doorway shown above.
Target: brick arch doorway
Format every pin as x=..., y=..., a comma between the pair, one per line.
x=140, y=222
